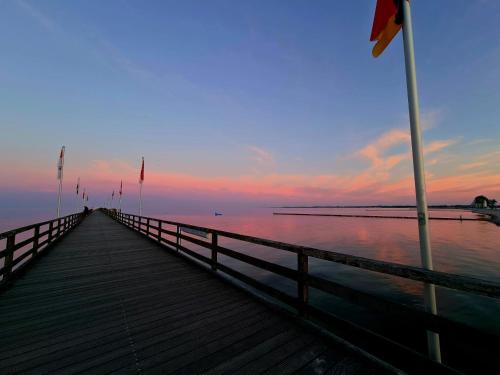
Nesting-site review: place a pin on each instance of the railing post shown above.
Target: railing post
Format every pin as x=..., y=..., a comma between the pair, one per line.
x=9, y=256
x=147, y=227
x=302, y=288
x=178, y=239
x=36, y=236
x=51, y=229
x=214, y=251
x=159, y=231
x=58, y=228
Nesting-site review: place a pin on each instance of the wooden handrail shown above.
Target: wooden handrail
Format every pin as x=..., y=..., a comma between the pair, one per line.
x=305, y=280
x=452, y=281
x=61, y=226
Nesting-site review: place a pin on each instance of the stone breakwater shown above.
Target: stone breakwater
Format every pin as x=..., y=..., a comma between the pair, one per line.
x=494, y=215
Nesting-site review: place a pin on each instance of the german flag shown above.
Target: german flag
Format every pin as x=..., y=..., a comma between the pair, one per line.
x=386, y=24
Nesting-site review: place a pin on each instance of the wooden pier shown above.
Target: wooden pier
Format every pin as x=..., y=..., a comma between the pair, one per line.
x=107, y=299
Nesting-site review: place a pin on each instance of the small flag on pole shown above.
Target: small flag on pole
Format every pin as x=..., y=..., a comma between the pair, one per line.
x=386, y=24
x=141, y=177
x=60, y=164
x=390, y=16
x=141, y=180
x=113, y=195
x=87, y=199
x=83, y=195
x=78, y=186
x=121, y=188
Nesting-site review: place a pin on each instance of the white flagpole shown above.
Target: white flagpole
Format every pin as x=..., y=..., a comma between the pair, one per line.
x=140, y=199
x=59, y=198
x=77, y=192
x=418, y=170
x=120, y=199
x=60, y=167
x=141, y=181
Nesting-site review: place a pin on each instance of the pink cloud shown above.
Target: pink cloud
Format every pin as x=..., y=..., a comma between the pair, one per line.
x=379, y=182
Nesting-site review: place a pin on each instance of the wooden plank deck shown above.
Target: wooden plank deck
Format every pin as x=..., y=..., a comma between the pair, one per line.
x=107, y=300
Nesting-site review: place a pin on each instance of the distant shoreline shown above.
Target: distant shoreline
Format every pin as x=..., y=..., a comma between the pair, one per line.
x=377, y=216
x=442, y=206
x=494, y=215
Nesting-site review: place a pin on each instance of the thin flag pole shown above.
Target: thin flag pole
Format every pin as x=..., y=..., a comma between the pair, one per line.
x=59, y=199
x=418, y=170
x=77, y=192
x=120, y=199
x=141, y=181
x=140, y=199
x=60, y=166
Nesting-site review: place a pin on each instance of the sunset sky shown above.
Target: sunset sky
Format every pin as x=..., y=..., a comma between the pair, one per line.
x=261, y=102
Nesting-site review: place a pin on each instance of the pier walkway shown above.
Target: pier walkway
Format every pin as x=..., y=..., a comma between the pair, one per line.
x=105, y=299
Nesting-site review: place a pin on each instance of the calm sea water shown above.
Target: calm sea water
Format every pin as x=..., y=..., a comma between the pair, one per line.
x=469, y=248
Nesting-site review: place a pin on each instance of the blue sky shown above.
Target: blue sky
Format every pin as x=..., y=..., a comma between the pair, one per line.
x=247, y=97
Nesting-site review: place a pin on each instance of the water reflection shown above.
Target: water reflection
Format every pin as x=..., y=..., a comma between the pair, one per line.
x=467, y=248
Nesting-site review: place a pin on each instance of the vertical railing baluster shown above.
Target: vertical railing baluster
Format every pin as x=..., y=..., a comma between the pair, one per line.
x=302, y=288
x=51, y=229
x=9, y=256
x=214, y=251
x=58, y=227
x=177, y=238
x=159, y=231
x=36, y=237
x=147, y=227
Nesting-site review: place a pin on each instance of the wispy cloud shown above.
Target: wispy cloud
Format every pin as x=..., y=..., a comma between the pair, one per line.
x=430, y=119
x=261, y=156
x=40, y=17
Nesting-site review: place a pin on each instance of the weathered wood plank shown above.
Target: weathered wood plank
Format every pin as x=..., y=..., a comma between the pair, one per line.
x=106, y=299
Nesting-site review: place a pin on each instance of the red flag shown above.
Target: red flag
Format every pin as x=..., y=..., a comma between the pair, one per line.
x=386, y=24
x=141, y=178
x=60, y=164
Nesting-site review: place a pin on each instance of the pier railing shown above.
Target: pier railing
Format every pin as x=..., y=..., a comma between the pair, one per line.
x=23, y=245
x=170, y=234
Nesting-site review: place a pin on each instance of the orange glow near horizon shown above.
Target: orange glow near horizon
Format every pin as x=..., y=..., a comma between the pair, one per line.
x=386, y=177
x=365, y=187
